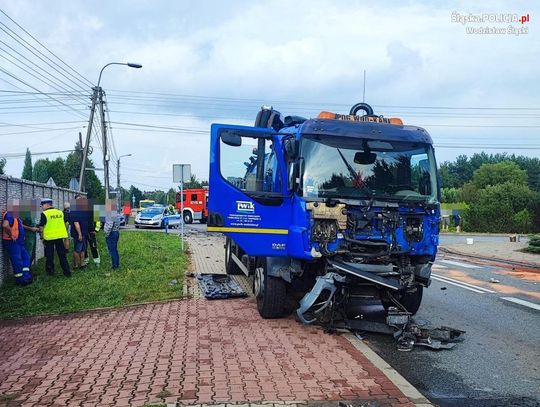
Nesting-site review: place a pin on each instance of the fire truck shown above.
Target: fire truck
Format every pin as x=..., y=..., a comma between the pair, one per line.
x=195, y=204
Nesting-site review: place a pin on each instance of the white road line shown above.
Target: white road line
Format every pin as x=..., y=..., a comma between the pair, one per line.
x=460, y=264
x=457, y=285
x=522, y=302
x=439, y=266
x=487, y=290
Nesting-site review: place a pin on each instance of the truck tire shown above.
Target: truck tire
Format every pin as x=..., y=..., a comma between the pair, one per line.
x=412, y=300
x=188, y=218
x=270, y=292
x=203, y=220
x=230, y=266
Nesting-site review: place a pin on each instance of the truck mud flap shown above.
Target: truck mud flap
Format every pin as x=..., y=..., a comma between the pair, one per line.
x=219, y=286
x=361, y=271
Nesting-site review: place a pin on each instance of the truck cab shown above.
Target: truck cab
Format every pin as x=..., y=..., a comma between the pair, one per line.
x=346, y=202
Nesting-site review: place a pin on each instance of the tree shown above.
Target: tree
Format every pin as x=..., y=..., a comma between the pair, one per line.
x=63, y=170
x=194, y=182
x=158, y=196
x=93, y=185
x=2, y=165
x=41, y=170
x=494, y=174
x=504, y=208
x=135, y=192
x=171, y=197
x=27, y=170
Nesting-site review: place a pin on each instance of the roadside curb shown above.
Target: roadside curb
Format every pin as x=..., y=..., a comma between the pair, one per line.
x=534, y=267
x=401, y=383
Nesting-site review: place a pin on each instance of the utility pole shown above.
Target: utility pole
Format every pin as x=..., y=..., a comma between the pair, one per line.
x=88, y=134
x=104, y=142
x=118, y=192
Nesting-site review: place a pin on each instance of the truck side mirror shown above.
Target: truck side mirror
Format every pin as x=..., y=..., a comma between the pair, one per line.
x=231, y=138
x=300, y=174
x=291, y=148
x=292, y=175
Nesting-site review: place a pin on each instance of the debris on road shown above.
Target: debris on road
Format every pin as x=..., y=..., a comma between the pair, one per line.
x=219, y=286
x=494, y=280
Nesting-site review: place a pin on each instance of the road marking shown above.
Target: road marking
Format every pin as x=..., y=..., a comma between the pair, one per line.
x=457, y=285
x=452, y=280
x=439, y=266
x=522, y=302
x=460, y=264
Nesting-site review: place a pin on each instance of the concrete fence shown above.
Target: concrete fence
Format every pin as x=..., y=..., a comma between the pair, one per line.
x=14, y=188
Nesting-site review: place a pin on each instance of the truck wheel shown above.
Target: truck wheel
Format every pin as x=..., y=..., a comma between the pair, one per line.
x=412, y=300
x=203, y=220
x=230, y=266
x=187, y=217
x=270, y=292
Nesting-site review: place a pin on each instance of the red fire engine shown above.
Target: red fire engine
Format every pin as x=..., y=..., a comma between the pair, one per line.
x=195, y=204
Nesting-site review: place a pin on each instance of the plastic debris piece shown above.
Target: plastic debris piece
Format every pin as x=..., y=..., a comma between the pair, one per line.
x=494, y=281
x=219, y=286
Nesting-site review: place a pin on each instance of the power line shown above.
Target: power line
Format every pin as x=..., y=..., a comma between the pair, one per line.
x=318, y=104
x=37, y=131
x=56, y=79
x=23, y=92
x=18, y=155
x=52, y=53
x=36, y=89
x=31, y=125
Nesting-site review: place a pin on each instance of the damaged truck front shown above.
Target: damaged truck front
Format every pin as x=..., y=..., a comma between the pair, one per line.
x=336, y=216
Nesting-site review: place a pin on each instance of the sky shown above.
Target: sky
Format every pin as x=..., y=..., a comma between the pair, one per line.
x=206, y=62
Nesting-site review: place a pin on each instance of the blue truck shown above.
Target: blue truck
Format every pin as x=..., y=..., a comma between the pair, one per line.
x=332, y=216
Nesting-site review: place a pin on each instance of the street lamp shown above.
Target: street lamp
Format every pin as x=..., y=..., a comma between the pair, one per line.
x=130, y=64
x=98, y=91
x=118, y=190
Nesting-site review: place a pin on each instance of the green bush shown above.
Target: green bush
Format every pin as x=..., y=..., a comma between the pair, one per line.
x=502, y=208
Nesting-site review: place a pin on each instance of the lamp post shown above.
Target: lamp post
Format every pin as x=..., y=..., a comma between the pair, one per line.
x=98, y=92
x=118, y=190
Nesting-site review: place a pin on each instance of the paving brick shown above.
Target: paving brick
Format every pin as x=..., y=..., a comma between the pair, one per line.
x=197, y=350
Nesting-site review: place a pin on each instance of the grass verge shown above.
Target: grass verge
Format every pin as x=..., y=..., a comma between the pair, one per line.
x=149, y=264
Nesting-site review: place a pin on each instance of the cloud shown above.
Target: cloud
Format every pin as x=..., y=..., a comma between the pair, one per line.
x=301, y=57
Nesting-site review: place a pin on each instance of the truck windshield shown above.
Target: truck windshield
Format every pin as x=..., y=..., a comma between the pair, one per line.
x=355, y=168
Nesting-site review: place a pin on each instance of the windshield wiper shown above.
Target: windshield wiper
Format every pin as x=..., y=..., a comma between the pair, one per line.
x=354, y=174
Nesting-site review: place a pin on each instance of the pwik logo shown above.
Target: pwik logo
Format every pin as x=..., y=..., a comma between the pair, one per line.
x=245, y=207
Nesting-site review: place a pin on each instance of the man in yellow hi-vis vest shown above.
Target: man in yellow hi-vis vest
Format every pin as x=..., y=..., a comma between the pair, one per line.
x=53, y=229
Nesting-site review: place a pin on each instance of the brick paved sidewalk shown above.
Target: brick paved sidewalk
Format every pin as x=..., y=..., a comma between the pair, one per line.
x=186, y=351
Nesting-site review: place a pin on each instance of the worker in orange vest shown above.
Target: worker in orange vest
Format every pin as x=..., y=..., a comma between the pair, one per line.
x=126, y=209
x=13, y=243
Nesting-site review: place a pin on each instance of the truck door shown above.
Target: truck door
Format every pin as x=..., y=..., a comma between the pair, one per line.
x=249, y=200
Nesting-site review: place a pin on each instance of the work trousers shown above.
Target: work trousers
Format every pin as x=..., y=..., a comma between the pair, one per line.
x=50, y=246
x=17, y=255
x=92, y=246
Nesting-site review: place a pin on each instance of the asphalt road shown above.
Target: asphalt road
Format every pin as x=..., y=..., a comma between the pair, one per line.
x=498, y=363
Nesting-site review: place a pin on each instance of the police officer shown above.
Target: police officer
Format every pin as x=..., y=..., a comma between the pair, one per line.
x=53, y=229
